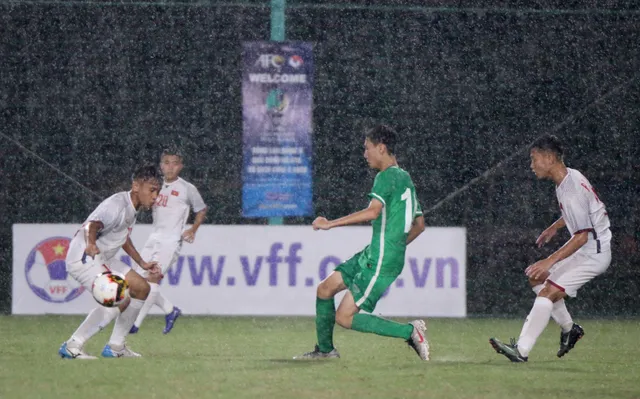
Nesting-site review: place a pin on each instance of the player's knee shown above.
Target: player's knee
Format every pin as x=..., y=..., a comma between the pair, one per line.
x=552, y=293
x=324, y=290
x=535, y=282
x=344, y=319
x=140, y=290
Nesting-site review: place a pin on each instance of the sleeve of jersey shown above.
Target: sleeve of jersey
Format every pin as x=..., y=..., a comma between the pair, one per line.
x=577, y=211
x=107, y=214
x=418, y=208
x=381, y=190
x=197, y=204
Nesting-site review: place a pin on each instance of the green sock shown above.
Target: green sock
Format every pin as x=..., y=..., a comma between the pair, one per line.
x=325, y=320
x=372, y=324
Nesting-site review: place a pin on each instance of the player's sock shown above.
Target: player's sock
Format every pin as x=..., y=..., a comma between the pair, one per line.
x=93, y=323
x=534, y=325
x=154, y=290
x=163, y=303
x=107, y=318
x=561, y=315
x=325, y=321
x=377, y=325
x=124, y=323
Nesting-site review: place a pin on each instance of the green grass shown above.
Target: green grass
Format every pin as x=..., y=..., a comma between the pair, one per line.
x=251, y=357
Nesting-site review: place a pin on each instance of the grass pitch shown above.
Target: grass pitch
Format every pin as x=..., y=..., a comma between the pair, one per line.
x=223, y=357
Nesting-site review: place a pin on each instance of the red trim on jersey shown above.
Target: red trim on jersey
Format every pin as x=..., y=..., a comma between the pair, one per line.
x=585, y=231
x=174, y=192
x=556, y=285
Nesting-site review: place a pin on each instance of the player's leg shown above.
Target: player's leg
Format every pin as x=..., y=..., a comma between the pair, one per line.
x=326, y=316
x=369, y=288
x=538, y=317
x=168, y=256
x=85, y=272
x=564, y=280
x=559, y=314
x=534, y=325
x=569, y=331
x=149, y=252
x=139, y=291
x=579, y=272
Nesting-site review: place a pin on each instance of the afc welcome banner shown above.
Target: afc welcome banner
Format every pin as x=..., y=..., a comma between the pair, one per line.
x=249, y=270
x=277, y=86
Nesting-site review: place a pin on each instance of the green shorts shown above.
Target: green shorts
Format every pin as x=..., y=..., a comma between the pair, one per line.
x=360, y=278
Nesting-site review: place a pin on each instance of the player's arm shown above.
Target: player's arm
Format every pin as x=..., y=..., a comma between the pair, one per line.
x=370, y=213
x=199, y=219
x=91, y=230
x=417, y=227
x=551, y=231
x=570, y=247
x=190, y=234
x=135, y=255
x=577, y=212
x=132, y=252
x=200, y=208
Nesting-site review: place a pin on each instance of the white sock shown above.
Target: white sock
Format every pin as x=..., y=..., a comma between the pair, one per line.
x=561, y=315
x=124, y=323
x=535, y=324
x=92, y=324
x=148, y=303
x=164, y=304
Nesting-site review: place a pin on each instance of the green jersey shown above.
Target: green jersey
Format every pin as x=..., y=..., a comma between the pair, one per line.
x=394, y=188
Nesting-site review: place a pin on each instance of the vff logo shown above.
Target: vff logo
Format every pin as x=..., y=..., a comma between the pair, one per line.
x=270, y=61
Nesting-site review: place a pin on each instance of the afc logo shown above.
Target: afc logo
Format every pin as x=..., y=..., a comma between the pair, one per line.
x=270, y=61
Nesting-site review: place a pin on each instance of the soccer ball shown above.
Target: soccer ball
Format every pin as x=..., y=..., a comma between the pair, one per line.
x=110, y=289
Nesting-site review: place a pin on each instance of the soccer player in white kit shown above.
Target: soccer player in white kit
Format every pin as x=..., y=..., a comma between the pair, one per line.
x=93, y=250
x=586, y=255
x=170, y=213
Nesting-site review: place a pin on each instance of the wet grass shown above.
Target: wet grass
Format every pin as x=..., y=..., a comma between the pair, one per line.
x=210, y=357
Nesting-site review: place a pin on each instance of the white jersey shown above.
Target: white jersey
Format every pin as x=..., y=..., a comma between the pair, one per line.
x=171, y=210
x=118, y=216
x=583, y=211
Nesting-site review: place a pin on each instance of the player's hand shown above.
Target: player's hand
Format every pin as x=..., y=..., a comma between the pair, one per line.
x=152, y=267
x=546, y=236
x=321, y=223
x=189, y=235
x=92, y=250
x=539, y=269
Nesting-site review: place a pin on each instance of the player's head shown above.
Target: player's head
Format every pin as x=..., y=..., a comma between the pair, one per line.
x=379, y=143
x=546, y=153
x=171, y=163
x=145, y=185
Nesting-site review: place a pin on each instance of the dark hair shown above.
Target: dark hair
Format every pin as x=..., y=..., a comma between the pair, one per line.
x=146, y=172
x=548, y=143
x=171, y=151
x=383, y=134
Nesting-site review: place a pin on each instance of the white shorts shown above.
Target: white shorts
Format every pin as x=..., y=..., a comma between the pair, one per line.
x=578, y=269
x=165, y=252
x=87, y=269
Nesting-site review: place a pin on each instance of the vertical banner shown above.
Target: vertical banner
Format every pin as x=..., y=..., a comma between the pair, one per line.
x=277, y=88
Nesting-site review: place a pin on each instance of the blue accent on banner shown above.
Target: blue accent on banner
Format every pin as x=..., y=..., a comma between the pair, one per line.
x=277, y=104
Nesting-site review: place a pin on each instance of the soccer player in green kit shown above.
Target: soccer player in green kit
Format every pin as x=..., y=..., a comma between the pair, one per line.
x=397, y=220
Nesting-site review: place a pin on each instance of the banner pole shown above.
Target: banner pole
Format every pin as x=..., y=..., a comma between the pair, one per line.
x=277, y=35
